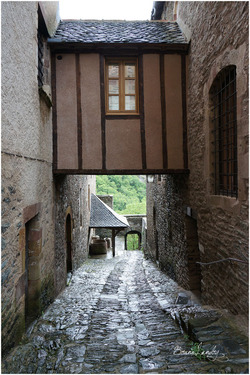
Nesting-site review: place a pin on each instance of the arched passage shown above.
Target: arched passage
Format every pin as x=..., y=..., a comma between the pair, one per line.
x=136, y=233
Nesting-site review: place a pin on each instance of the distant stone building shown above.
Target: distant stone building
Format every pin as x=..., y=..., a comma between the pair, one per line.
x=203, y=216
x=44, y=217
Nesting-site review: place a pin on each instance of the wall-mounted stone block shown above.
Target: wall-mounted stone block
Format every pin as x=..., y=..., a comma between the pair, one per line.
x=31, y=211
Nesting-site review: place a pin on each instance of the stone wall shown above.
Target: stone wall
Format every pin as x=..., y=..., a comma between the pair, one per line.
x=35, y=204
x=27, y=180
x=73, y=197
x=107, y=199
x=219, y=33
x=166, y=240
x=219, y=225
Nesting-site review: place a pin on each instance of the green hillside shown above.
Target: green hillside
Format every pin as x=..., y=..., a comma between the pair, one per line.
x=129, y=192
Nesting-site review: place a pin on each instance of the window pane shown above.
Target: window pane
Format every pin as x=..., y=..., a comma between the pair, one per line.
x=130, y=86
x=130, y=103
x=225, y=134
x=114, y=71
x=114, y=103
x=129, y=70
x=113, y=86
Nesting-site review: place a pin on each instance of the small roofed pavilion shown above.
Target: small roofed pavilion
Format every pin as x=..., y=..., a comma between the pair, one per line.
x=102, y=216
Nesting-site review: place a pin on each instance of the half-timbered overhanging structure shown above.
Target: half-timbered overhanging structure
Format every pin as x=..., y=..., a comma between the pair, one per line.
x=119, y=94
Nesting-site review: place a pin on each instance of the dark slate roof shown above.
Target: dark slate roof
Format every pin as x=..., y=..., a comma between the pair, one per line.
x=108, y=32
x=102, y=216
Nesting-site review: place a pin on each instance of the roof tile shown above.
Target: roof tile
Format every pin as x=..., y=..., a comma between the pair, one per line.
x=102, y=216
x=152, y=32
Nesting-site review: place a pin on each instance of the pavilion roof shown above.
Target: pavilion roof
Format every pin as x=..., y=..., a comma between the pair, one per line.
x=102, y=216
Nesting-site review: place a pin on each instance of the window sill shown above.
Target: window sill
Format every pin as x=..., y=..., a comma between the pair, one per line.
x=45, y=93
x=230, y=204
x=115, y=116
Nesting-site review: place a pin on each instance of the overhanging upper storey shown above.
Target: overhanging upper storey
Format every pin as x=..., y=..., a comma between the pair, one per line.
x=119, y=95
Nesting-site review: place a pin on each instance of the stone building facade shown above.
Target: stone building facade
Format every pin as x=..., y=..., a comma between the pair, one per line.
x=189, y=219
x=34, y=201
x=72, y=214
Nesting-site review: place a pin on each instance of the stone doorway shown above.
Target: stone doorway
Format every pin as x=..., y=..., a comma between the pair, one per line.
x=69, y=243
x=33, y=243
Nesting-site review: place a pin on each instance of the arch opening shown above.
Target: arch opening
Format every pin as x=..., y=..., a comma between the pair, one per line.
x=133, y=240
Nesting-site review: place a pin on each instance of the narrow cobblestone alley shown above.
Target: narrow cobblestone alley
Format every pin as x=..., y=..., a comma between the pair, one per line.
x=117, y=316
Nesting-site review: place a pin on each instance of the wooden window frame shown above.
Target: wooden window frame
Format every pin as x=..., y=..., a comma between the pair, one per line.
x=121, y=62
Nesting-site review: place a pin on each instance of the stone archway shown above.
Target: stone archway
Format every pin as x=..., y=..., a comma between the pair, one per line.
x=133, y=232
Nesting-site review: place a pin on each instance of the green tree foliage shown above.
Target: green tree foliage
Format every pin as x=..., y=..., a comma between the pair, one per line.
x=129, y=192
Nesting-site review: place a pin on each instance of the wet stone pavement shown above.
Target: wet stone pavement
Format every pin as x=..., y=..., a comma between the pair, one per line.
x=123, y=315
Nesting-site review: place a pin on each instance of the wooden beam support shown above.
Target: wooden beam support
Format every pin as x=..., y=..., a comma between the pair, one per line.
x=79, y=110
x=54, y=109
x=163, y=114
x=88, y=238
x=113, y=241
x=141, y=106
x=103, y=121
x=184, y=110
x=119, y=171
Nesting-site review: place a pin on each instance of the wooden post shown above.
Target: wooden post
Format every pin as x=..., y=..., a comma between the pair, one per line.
x=88, y=239
x=113, y=242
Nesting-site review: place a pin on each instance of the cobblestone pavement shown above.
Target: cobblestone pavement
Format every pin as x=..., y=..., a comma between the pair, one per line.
x=119, y=315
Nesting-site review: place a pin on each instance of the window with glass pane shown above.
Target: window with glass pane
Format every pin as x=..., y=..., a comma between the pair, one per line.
x=130, y=103
x=121, y=86
x=113, y=87
x=114, y=103
x=130, y=87
x=223, y=95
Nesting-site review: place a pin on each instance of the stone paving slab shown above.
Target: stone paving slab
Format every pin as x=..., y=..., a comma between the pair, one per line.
x=119, y=315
